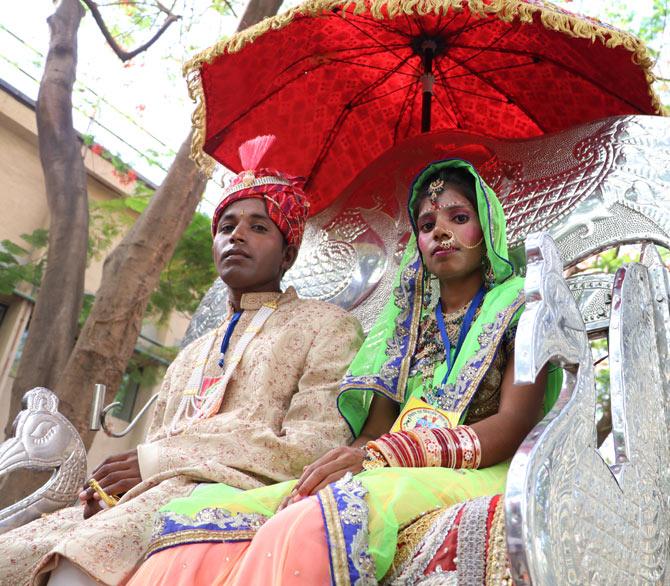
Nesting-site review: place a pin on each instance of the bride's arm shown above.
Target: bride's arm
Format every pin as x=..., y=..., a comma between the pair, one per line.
x=501, y=434
x=382, y=415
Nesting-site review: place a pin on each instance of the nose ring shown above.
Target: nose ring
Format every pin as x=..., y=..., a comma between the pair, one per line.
x=448, y=239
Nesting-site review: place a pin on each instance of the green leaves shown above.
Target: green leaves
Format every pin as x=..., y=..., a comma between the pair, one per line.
x=19, y=264
x=189, y=273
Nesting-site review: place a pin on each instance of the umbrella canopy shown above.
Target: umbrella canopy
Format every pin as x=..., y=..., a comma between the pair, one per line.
x=339, y=83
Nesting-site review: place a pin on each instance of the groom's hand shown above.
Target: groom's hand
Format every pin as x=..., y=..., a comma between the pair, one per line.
x=91, y=507
x=116, y=475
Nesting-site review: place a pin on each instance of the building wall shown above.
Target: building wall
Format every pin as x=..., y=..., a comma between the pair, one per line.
x=24, y=209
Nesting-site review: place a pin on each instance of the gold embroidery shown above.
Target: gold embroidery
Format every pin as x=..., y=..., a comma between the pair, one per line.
x=497, y=568
x=410, y=539
x=430, y=352
x=337, y=545
x=458, y=396
x=196, y=536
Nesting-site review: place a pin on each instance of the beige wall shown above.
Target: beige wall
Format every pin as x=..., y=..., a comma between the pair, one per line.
x=24, y=205
x=23, y=209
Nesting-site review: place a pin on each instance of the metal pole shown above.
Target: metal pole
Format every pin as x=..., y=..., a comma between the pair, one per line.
x=96, y=407
x=428, y=80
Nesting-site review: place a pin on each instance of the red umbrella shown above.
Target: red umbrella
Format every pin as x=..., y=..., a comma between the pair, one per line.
x=339, y=83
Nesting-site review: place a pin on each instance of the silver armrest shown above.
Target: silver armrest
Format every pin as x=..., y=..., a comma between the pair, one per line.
x=44, y=440
x=99, y=413
x=572, y=518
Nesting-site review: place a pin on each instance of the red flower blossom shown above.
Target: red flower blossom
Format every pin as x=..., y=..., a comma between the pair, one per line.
x=125, y=177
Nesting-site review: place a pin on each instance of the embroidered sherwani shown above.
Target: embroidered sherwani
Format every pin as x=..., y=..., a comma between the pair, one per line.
x=278, y=414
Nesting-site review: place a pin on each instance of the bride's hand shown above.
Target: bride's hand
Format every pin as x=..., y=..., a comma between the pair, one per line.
x=328, y=468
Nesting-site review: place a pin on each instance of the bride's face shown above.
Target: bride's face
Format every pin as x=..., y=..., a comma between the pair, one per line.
x=450, y=237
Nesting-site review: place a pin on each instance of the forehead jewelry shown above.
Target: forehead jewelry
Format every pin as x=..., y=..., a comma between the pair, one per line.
x=434, y=189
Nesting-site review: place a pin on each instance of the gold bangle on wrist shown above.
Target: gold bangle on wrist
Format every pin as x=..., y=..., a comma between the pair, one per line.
x=373, y=459
x=109, y=500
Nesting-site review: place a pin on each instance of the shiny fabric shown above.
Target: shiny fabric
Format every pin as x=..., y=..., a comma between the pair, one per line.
x=275, y=556
x=344, y=82
x=377, y=503
x=463, y=544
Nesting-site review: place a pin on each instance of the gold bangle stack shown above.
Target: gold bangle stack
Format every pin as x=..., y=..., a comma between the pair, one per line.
x=109, y=500
x=373, y=459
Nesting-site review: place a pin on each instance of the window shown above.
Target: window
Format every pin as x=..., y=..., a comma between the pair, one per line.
x=19, y=352
x=127, y=396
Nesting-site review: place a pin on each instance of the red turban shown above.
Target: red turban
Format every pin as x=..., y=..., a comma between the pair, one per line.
x=285, y=201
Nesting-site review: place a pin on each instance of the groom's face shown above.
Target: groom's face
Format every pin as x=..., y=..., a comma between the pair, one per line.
x=249, y=251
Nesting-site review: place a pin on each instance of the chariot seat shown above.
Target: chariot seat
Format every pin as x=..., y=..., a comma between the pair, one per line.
x=572, y=516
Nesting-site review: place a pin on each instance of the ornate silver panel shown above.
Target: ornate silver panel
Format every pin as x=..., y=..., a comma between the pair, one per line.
x=44, y=440
x=593, y=294
x=571, y=518
x=592, y=187
x=659, y=281
x=209, y=314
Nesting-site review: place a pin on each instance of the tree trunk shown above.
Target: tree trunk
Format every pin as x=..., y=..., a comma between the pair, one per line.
x=53, y=325
x=131, y=273
x=256, y=11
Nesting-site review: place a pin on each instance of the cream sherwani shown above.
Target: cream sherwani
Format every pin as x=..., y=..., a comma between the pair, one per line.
x=278, y=414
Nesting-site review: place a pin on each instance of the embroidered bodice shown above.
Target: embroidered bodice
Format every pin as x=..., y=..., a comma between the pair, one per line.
x=430, y=352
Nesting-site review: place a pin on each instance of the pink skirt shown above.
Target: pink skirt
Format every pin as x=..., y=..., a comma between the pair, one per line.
x=290, y=549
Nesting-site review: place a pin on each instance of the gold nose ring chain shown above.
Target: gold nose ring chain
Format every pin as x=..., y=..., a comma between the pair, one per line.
x=450, y=239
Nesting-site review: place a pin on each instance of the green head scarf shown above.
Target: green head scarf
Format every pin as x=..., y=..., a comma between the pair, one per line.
x=382, y=364
x=489, y=209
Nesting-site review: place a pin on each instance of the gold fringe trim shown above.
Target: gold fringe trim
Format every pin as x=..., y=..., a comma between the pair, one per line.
x=506, y=10
x=198, y=536
x=497, y=567
x=410, y=539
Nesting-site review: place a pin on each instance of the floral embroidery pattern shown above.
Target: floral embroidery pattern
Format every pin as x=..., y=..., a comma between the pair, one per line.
x=211, y=524
x=345, y=512
x=392, y=379
x=456, y=397
x=214, y=519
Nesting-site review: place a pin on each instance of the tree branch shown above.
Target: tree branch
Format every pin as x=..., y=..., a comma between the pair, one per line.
x=120, y=51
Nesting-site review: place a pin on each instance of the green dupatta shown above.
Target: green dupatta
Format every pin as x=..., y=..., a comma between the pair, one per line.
x=382, y=365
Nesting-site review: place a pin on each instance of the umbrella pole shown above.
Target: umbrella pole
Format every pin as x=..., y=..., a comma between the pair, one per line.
x=428, y=80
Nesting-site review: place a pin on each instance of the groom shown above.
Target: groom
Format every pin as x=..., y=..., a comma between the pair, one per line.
x=248, y=404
